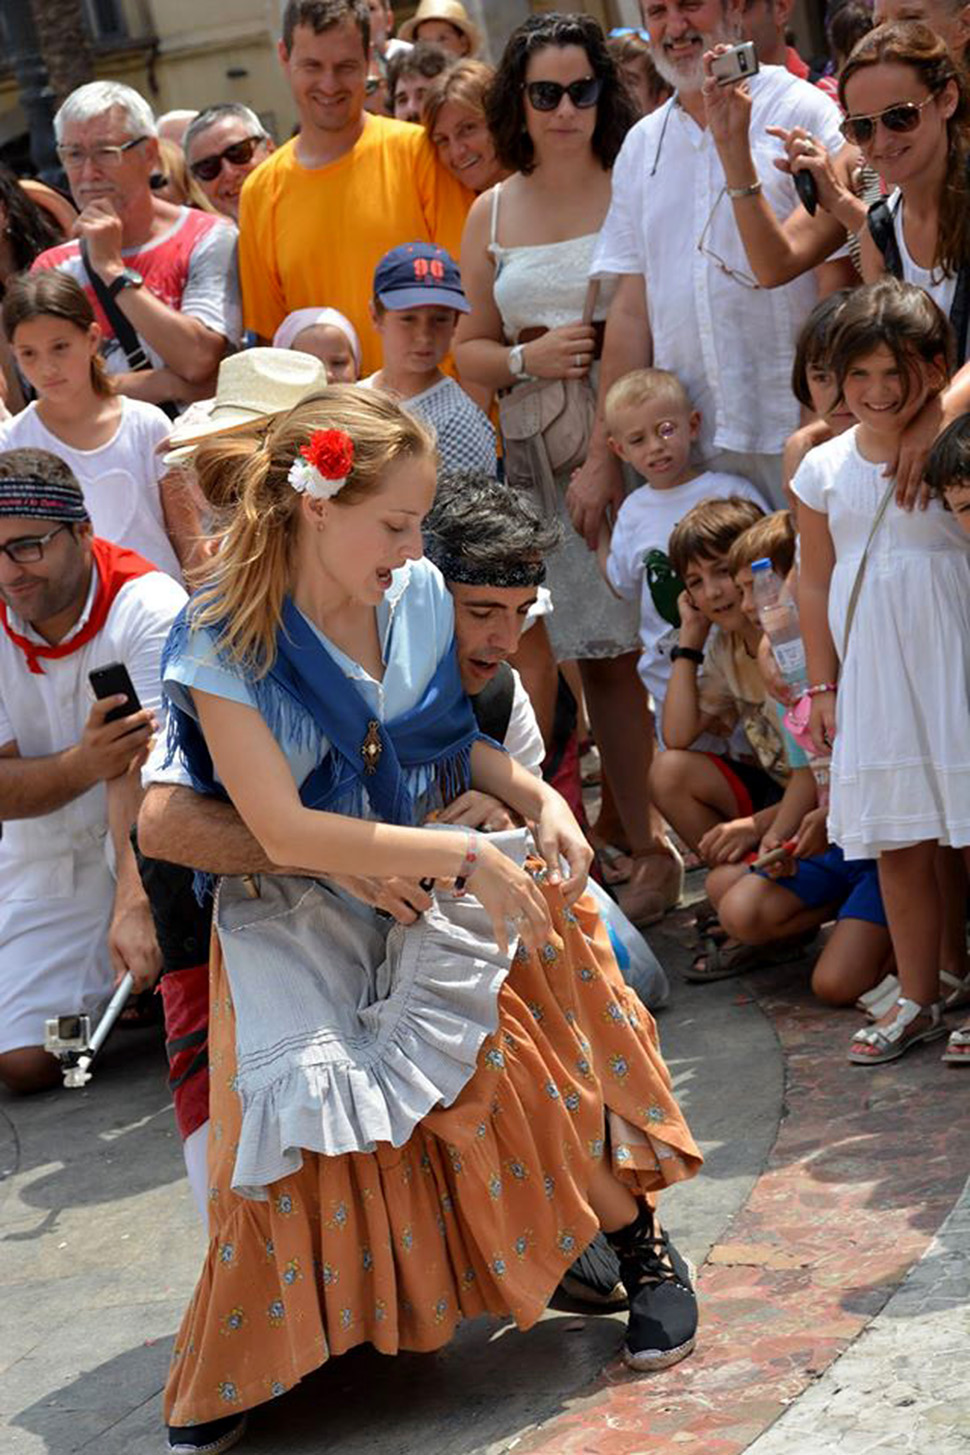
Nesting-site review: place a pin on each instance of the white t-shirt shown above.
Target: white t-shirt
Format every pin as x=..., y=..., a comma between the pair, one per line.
x=731, y=345
x=46, y=712
x=119, y=479
x=639, y=567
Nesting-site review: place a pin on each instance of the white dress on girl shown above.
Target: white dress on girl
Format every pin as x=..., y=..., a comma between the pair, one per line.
x=901, y=761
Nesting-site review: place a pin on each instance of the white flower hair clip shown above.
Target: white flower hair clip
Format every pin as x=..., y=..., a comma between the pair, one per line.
x=322, y=467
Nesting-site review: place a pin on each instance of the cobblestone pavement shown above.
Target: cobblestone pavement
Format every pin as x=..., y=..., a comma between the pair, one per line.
x=824, y=1186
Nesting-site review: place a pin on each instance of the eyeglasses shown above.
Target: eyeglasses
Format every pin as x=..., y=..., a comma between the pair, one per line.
x=31, y=548
x=207, y=169
x=106, y=157
x=546, y=95
x=745, y=279
x=904, y=116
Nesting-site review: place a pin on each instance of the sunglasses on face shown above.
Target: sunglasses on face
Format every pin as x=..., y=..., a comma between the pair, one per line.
x=207, y=169
x=546, y=95
x=904, y=116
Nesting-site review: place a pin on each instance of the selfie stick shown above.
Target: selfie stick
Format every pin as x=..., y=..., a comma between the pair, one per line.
x=76, y=1073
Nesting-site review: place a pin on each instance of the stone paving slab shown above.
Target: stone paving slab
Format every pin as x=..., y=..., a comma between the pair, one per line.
x=867, y=1165
x=902, y=1387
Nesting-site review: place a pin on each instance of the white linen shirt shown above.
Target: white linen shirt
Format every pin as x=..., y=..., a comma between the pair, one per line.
x=732, y=346
x=46, y=712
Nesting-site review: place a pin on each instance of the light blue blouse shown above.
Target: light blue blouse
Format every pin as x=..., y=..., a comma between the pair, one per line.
x=416, y=623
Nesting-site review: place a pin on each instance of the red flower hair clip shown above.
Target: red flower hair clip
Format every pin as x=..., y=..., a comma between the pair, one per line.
x=323, y=464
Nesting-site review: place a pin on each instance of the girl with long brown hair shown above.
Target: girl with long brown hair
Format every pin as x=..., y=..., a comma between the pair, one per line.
x=109, y=440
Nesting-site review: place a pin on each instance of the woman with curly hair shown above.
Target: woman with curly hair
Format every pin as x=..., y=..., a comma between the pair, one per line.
x=558, y=111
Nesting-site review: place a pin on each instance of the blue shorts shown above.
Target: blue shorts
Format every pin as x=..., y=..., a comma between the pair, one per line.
x=828, y=879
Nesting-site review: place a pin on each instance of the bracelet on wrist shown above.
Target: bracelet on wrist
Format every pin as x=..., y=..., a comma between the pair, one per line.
x=469, y=863
x=751, y=190
x=821, y=688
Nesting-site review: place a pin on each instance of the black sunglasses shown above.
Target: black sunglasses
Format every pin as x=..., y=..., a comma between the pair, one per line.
x=546, y=95
x=904, y=116
x=207, y=169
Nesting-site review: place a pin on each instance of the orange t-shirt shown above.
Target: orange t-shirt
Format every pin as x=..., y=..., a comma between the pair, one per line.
x=312, y=237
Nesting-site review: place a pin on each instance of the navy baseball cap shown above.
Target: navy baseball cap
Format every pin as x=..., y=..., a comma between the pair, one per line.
x=419, y=275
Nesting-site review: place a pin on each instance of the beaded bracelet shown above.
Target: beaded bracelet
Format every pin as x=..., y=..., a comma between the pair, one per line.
x=820, y=688
x=469, y=864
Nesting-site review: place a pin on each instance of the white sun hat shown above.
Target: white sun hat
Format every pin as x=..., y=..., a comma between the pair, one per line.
x=252, y=386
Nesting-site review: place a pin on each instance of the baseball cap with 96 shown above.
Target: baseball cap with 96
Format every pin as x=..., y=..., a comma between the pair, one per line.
x=419, y=275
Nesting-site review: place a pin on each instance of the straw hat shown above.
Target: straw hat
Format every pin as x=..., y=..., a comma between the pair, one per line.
x=253, y=385
x=450, y=10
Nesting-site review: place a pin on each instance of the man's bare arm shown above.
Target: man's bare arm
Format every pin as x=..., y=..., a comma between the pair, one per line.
x=32, y=787
x=181, y=826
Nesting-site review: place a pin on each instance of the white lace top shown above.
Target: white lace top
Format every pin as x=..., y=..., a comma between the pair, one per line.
x=543, y=285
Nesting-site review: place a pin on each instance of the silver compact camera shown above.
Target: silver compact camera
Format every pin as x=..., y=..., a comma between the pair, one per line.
x=737, y=64
x=71, y=1040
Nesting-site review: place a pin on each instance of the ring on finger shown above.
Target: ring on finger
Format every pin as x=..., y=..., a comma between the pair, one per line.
x=578, y=361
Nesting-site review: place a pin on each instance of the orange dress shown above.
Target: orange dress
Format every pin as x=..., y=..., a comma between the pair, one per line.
x=481, y=1211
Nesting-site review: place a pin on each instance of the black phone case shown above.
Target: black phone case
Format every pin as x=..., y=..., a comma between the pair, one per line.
x=111, y=680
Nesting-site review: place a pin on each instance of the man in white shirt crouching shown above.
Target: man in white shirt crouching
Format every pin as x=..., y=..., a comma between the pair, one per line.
x=73, y=915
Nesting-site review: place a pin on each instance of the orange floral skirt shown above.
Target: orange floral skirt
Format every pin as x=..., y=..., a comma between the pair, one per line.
x=481, y=1211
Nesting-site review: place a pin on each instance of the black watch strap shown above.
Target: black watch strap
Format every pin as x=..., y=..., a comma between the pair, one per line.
x=690, y=654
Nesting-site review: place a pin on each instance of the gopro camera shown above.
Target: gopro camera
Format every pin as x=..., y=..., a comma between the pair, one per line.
x=67, y=1033
x=737, y=64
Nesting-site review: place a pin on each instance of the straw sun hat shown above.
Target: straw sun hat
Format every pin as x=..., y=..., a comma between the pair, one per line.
x=253, y=385
x=450, y=10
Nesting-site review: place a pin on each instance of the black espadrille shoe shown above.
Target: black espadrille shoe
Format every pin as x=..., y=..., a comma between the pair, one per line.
x=662, y=1326
x=209, y=1439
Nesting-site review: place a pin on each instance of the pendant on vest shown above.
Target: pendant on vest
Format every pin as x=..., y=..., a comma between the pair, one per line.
x=372, y=747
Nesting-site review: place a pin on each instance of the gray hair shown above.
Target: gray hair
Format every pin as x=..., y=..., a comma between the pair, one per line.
x=97, y=97
x=204, y=119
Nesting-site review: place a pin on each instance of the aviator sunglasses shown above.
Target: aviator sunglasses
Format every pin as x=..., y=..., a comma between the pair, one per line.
x=207, y=169
x=546, y=95
x=904, y=116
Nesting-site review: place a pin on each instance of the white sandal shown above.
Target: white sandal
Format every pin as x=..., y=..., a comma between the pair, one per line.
x=957, y=1051
x=881, y=998
x=895, y=1039
x=956, y=992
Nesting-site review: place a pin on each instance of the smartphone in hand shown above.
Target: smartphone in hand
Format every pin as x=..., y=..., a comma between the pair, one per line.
x=111, y=681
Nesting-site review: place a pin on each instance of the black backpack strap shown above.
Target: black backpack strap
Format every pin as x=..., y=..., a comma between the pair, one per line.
x=493, y=706
x=883, y=232
x=122, y=327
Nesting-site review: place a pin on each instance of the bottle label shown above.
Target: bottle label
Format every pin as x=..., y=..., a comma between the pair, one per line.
x=790, y=657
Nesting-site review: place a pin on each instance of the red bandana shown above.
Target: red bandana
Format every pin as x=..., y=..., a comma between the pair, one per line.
x=115, y=567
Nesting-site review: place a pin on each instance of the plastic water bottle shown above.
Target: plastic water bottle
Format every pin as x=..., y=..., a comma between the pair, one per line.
x=778, y=615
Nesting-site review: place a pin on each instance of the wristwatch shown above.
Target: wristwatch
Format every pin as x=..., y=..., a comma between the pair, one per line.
x=127, y=278
x=517, y=362
x=689, y=654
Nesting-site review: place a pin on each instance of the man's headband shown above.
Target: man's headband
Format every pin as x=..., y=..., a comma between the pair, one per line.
x=470, y=573
x=27, y=495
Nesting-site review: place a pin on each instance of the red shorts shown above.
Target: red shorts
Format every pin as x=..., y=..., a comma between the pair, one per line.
x=185, y=996
x=752, y=787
